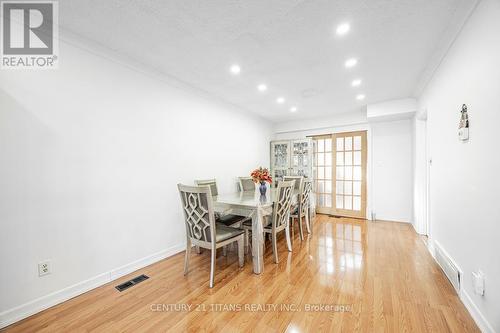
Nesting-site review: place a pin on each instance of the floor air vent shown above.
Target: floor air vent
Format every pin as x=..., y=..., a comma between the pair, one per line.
x=449, y=268
x=132, y=282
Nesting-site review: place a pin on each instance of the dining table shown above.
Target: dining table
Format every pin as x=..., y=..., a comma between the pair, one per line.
x=256, y=206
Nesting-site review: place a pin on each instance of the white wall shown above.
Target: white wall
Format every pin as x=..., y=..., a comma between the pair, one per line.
x=420, y=169
x=464, y=213
x=392, y=169
x=90, y=155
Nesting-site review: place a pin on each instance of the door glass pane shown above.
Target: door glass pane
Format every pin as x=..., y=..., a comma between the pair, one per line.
x=321, y=159
x=348, y=173
x=340, y=173
x=340, y=201
x=328, y=173
x=340, y=187
x=328, y=187
x=321, y=146
x=321, y=186
x=328, y=200
x=356, y=188
x=328, y=159
x=356, y=203
x=340, y=158
x=340, y=144
x=357, y=158
x=348, y=143
x=357, y=143
x=357, y=173
x=328, y=144
x=321, y=173
x=347, y=202
x=321, y=201
x=348, y=158
x=348, y=188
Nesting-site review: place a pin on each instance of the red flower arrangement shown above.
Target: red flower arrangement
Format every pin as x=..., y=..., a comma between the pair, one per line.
x=261, y=175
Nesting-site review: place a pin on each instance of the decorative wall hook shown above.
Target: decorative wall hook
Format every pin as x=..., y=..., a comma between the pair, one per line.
x=463, y=127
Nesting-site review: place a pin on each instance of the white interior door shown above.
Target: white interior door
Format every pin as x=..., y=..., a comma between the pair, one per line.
x=339, y=173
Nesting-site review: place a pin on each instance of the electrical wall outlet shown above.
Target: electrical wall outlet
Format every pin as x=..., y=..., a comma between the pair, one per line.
x=44, y=268
x=478, y=282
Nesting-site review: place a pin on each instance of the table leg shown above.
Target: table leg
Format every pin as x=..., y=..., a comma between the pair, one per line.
x=257, y=244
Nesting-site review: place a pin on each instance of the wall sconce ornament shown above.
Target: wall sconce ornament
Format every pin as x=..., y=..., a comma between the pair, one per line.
x=463, y=127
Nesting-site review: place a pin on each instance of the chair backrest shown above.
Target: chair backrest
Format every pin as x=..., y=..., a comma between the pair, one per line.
x=305, y=193
x=198, y=212
x=281, y=211
x=246, y=184
x=298, y=180
x=209, y=182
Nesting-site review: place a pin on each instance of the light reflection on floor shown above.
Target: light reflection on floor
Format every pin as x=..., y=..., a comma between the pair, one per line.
x=340, y=248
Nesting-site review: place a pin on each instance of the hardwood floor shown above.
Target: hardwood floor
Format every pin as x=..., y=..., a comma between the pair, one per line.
x=376, y=276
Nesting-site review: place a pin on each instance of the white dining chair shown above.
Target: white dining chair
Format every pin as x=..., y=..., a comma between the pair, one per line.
x=279, y=219
x=246, y=184
x=201, y=229
x=227, y=219
x=298, y=180
x=230, y=220
x=301, y=211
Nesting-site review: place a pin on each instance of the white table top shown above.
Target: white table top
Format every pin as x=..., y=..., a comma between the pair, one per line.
x=251, y=199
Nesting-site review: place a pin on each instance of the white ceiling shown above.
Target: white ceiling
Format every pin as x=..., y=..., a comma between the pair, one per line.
x=288, y=44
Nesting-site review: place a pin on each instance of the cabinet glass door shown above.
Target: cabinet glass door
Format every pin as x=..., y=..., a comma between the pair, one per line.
x=280, y=160
x=301, y=158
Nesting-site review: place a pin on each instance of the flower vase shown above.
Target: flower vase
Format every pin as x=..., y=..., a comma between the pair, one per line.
x=262, y=188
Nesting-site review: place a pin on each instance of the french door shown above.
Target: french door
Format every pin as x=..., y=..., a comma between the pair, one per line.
x=340, y=174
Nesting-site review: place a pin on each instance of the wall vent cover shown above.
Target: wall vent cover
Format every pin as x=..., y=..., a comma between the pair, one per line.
x=131, y=283
x=448, y=266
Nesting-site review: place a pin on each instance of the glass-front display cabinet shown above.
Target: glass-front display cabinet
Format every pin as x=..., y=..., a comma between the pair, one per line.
x=291, y=158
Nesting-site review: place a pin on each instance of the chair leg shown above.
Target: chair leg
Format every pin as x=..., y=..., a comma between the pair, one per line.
x=275, y=247
x=291, y=226
x=198, y=249
x=212, y=267
x=288, y=241
x=308, y=222
x=186, y=257
x=224, y=250
x=241, y=254
x=300, y=227
x=246, y=241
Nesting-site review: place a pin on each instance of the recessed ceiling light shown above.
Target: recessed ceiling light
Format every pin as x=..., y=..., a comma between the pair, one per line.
x=262, y=87
x=351, y=62
x=235, y=69
x=280, y=100
x=356, y=83
x=343, y=28
x=360, y=97
x=293, y=109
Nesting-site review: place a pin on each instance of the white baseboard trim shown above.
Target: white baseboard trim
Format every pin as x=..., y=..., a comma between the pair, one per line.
x=478, y=317
x=474, y=311
x=28, y=309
